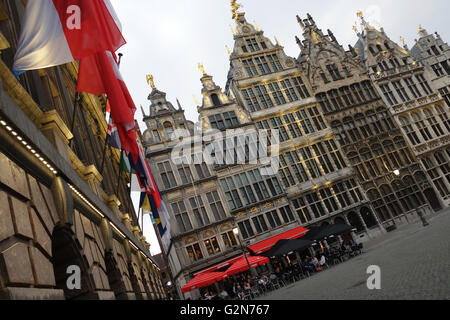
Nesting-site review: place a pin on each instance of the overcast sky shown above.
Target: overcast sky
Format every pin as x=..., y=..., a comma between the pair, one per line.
x=168, y=38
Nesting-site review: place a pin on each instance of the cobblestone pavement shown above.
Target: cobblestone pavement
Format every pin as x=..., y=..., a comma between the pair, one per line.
x=414, y=262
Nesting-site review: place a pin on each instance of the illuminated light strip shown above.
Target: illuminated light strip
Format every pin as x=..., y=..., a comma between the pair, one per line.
x=134, y=246
x=82, y=197
x=117, y=229
x=28, y=146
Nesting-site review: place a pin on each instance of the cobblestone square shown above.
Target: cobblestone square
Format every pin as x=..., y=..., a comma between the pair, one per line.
x=414, y=262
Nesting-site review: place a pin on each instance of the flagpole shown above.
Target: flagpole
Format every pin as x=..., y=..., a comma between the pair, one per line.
x=74, y=115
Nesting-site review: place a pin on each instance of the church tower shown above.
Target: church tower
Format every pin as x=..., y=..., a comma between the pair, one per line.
x=405, y=86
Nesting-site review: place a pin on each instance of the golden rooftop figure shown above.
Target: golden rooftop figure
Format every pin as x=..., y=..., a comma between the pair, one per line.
x=150, y=81
x=201, y=68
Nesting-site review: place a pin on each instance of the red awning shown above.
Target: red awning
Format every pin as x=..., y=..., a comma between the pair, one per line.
x=241, y=265
x=203, y=280
x=218, y=266
x=265, y=245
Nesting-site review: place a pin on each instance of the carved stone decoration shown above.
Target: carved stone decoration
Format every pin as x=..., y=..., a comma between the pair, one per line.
x=289, y=63
x=246, y=29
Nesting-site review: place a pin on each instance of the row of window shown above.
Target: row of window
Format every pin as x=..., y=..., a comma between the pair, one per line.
x=353, y=130
x=401, y=91
x=210, y=246
x=377, y=159
x=275, y=93
x=310, y=162
x=327, y=200
x=248, y=188
x=294, y=125
x=200, y=214
x=184, y=173
x=253, y=45
x=426, y=123
x=437, y=68
x=398, y=198
x=345, y=97
x=335, y=74
x=438, y=169
x=240, y=149
x=224, y=120
x=263, y=223
x=261, y=65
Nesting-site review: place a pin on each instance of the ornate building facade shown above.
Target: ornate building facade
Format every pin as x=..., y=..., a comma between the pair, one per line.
x=416, y=105
x=61, y=206
x=370, y=139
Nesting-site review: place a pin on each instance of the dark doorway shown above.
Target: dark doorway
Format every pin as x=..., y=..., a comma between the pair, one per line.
x=432, y=199
x=67, y=251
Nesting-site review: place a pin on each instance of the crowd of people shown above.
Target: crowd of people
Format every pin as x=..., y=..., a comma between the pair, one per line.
x=244, y=285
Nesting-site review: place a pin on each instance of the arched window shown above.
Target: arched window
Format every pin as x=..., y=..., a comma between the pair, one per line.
x=168, y=128
x=368, y=217
x=215, y=99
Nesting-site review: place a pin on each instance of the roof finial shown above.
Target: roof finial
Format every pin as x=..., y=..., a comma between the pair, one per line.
x=276, y=41
x=232, y=30
x=234, y=9
x=196, y=101
x=201, y=68
x=359, y=14
x=150, y=81
x=256, y=26
x=228, y=50
x=402, y=40
x=300, y=22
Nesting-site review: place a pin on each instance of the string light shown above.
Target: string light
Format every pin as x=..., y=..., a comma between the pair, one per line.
x=28, y=146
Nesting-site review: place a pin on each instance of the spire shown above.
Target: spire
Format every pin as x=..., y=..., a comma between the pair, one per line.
x=300, y=22
x=179, y=104
x=331, y=35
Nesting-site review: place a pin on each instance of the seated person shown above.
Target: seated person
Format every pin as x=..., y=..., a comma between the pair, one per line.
x=307, y=266
x=323, y=261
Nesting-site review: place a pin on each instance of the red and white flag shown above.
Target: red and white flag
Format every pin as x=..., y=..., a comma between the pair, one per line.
x=56, y=32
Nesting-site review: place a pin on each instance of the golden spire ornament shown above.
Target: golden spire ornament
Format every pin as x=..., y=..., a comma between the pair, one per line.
x=355, y=28
x=234, y=9
x=150, y=81
x=277, y=42
x=359, y=14
x=232, y=30
x=256, y=26
x=201, y=68
x=228, y=50
x=402, y=40
x=196, y=101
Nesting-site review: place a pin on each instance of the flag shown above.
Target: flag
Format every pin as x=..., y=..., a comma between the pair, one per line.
x=144, y=202
x=144, y=175
x=99, y=74
x=56, y=32
x=157, y=219
x=112, y=136
x=124, y=165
